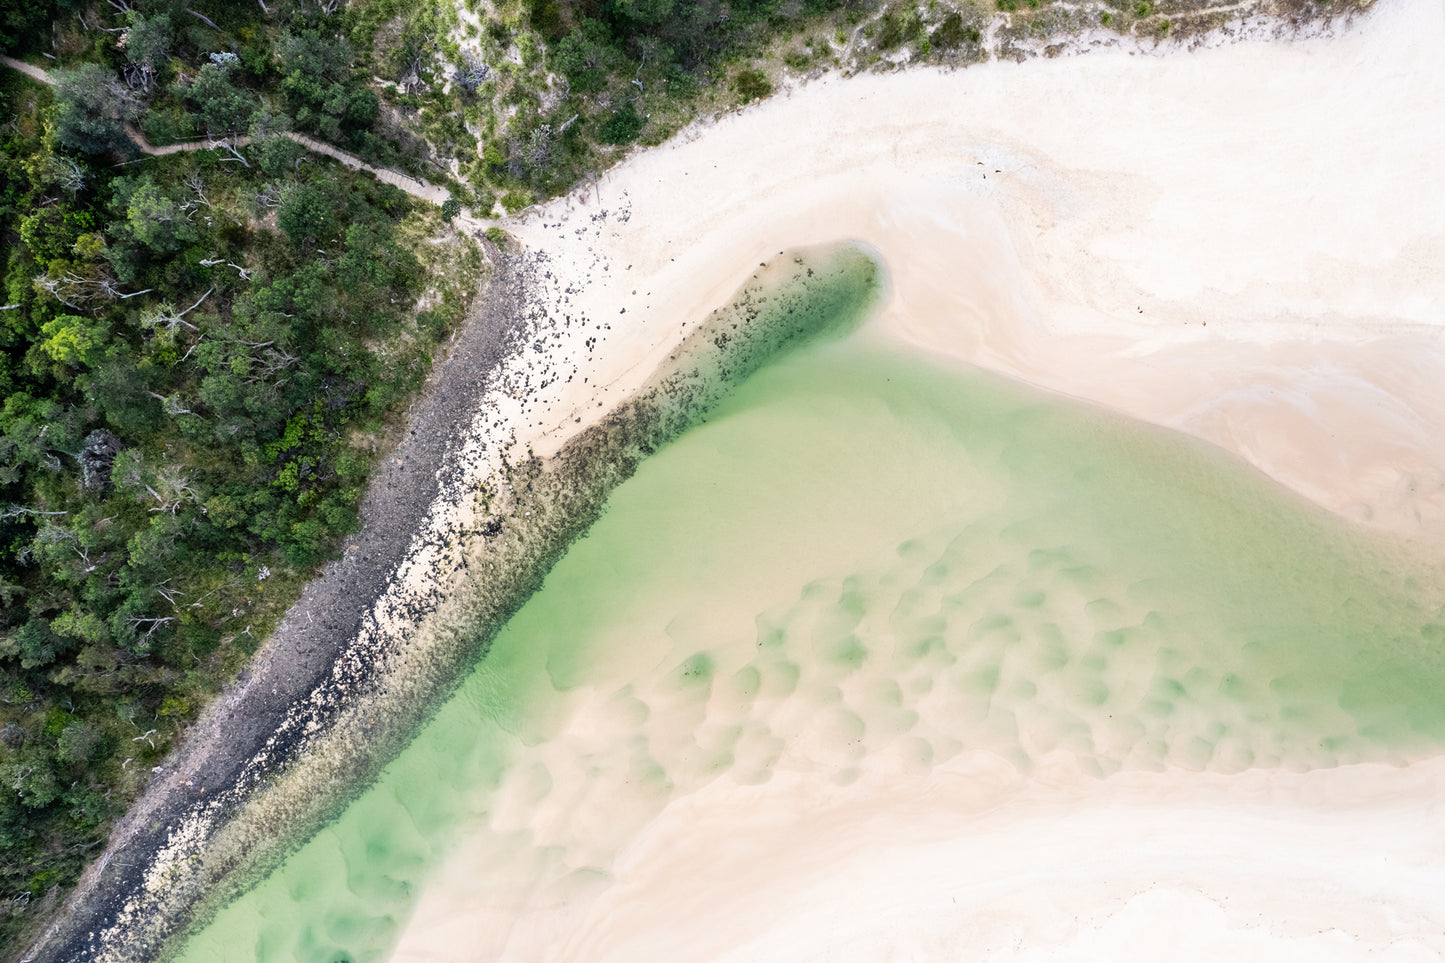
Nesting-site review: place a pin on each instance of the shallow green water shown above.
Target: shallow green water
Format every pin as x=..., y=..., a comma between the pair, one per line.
x=865, y=554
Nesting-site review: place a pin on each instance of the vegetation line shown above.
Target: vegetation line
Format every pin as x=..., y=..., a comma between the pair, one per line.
x=415, y=186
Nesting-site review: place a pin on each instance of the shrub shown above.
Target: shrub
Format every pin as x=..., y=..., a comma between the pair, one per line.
x=891, y=29
x=950, y=35
x=622, y=127
x=514, y=201
x=79, y=742
x=752, y=85
x=224, y=107
x=309, y=210
x=586, y=55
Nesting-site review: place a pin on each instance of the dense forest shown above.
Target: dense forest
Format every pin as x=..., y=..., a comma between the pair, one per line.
x=202, y=353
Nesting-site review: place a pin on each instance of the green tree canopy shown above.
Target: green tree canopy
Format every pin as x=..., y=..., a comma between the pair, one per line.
x=73, y=340
x=586, y=55
x=91, y=108
x=322, y=90
x=309, y=211
x=156, y=219
x=148, y=39
x=224, y=106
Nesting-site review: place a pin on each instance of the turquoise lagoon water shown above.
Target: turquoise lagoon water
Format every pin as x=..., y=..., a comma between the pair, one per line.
x=865, y=551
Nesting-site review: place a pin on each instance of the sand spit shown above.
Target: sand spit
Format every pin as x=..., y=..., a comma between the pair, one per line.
x=975, y=861
x=1241, y=243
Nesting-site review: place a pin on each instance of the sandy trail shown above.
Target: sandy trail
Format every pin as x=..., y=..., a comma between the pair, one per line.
x=414, y=186
x=1241, y=243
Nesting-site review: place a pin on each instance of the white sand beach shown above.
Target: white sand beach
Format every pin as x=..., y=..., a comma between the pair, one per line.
x=1341, y=864
x=1242, y=243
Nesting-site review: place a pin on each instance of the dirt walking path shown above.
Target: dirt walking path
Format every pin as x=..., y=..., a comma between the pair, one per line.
x=414, y=186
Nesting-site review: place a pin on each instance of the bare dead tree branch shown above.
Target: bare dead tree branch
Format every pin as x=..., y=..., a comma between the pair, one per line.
x=15, y=511
x=88, y=26
x=194, y=181
x=204, y=19
x=270, y=196
x=230, y=148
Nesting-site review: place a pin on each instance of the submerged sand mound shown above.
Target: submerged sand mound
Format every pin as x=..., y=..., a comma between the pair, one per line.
x=890, y=660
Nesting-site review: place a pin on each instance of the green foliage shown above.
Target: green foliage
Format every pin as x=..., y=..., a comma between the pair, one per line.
x=515, y=201
x=897, y=26
x=223, y=106
x=1142, y=8
x=752, y=84
x=545, y=16
x=91, y=108
x=24, y=24
x=177, y=460
x=277, y=156
x=451, y=207
x=72, y=340
x=153, y=215
x=952, y=33
x=322, y=91
x=79, y=742
x=622, y=127
x=148, y=39
x=586, y=55
x=309, y=212
x=646, y=12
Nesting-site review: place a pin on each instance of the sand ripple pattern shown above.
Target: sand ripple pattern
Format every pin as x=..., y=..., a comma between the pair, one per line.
x=864, y=576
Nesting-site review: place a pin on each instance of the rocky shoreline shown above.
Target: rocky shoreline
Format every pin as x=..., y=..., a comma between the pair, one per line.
x=212, y=770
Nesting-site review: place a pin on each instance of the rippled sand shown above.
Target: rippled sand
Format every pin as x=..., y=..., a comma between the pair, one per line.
x=911, y=633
